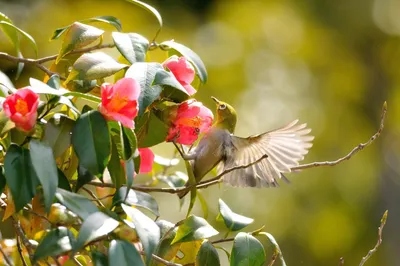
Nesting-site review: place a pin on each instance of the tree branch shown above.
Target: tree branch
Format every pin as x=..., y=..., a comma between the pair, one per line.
x=380, y=230
x=6, y=258
x=38, y=62
x=353, y=151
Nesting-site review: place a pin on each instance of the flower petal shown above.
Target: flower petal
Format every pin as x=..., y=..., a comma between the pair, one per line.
x=146, y=160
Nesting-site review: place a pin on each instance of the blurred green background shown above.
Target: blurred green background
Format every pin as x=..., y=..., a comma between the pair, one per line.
x=330, y=63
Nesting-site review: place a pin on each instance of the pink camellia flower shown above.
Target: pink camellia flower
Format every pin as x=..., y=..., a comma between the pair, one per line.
x=21, y=108
x=146, y=160
x=119, y=102
x=183, y=72
x=192, y=118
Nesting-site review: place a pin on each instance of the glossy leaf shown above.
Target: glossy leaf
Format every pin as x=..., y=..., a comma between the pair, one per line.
x=174, y=180
x=10, y=32
x=84, y=177
x=8, y=27
x=145, y=73
x=146, y=228
x=277, y=249
x=115, y=168
x=188, y=252
x=94, y=226
x=172, y=88
x=56, y=242
x=136, y=198
x=45, y=167
x=194, y=228
x=247, y=251
x=191, y=56
x=107, y=19
x=42, y=88
x=78, y=35
x=95, y=65
x=63, y=181
x=233, y=220
x=78, y=204
x=99, y=259
x=54, y=82
x=6, y=86
x=20, y=175
x=150, y=9
x=91, y=142
x=130, y=173
x=132, y=46
x=150, y=130
x=57, y=133
x=2, y=180
x=203, y=203
x=207, y=255
x=165, y=250
x=123, y=253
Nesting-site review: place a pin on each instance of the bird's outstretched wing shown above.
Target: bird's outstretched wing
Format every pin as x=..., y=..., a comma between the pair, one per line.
x=285, y=147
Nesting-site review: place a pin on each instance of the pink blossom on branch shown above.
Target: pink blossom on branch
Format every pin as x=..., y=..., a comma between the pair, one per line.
x=21, y=108
x=183, y=71
x=146, y=160
x=119, y=102
x=192, y=118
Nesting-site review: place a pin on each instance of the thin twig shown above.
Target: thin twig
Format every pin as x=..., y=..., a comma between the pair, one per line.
x=95, y=198
x=20, y=251
x=38, y=62
x=379, y=242
x=37, y=214
x=161, y=260
x=21, y=234
x=273, y=259
x=353, y=151
x=6, y=258
x=222, y=240
x=341, y=261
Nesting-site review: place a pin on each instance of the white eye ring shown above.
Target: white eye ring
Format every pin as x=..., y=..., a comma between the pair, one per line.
x=222, y=107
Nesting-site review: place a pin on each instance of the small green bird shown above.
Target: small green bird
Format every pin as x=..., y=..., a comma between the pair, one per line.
x=284, y=148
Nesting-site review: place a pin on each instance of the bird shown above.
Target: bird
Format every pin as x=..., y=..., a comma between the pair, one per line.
x=269, y=155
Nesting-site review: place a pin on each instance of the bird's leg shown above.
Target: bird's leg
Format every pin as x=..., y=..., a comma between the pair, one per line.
x=185, y=156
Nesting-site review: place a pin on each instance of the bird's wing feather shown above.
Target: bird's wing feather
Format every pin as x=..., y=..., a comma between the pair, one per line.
x=285, y=147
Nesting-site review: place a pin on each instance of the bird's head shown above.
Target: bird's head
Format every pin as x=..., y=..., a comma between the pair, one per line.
x=226, y=116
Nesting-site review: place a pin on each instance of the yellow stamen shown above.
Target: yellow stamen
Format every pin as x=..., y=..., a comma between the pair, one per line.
x=21, y=107
x=117, y=103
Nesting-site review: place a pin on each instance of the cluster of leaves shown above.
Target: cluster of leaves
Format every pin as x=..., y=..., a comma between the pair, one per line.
x=52, y=178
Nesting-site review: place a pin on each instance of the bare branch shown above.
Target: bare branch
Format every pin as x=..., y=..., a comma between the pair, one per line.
x=21, y=236
x=273, y=258
x=19, y=247
x=353, y=151
x=38, y=62
x=380, y=230
x=161, y=260
x=6, y=258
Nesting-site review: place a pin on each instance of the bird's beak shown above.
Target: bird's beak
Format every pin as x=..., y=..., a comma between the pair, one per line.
x=215, y=99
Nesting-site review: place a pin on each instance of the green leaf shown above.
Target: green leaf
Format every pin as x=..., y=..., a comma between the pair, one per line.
x=191, y=56
x=207, y=255
x=10, y=32
x=84, y=177
x=94, y=226
x=6, y=86
x=78, y=35
x=123, y=253
x=150, y=9
x=203, y=204
x=107, y=19
x=277, y=249
x=8, y=27
x=78, y=204
x=146, y=228
x=20, y=175
x=247, y=251
x=194, y=228
x=54, y=82
x=2, y=180
x=165, y=250
x=145, y=73
x=83, y=86
x=128, y=138
x=130, y=172
x=45, y=168
x=132, y=46
x=86, y=96
x=172, y=88
x=56, y=242
x=91, y=142
x=136, y=198
x=42, y=88
x=92, y=66
x=57, y=133
x=63, y=181
x=115, y=168
x=150, y=130
x=99, y=259
x=233, y=220
x=177, y=179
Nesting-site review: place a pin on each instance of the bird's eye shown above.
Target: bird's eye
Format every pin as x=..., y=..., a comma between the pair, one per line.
x=222, y=106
